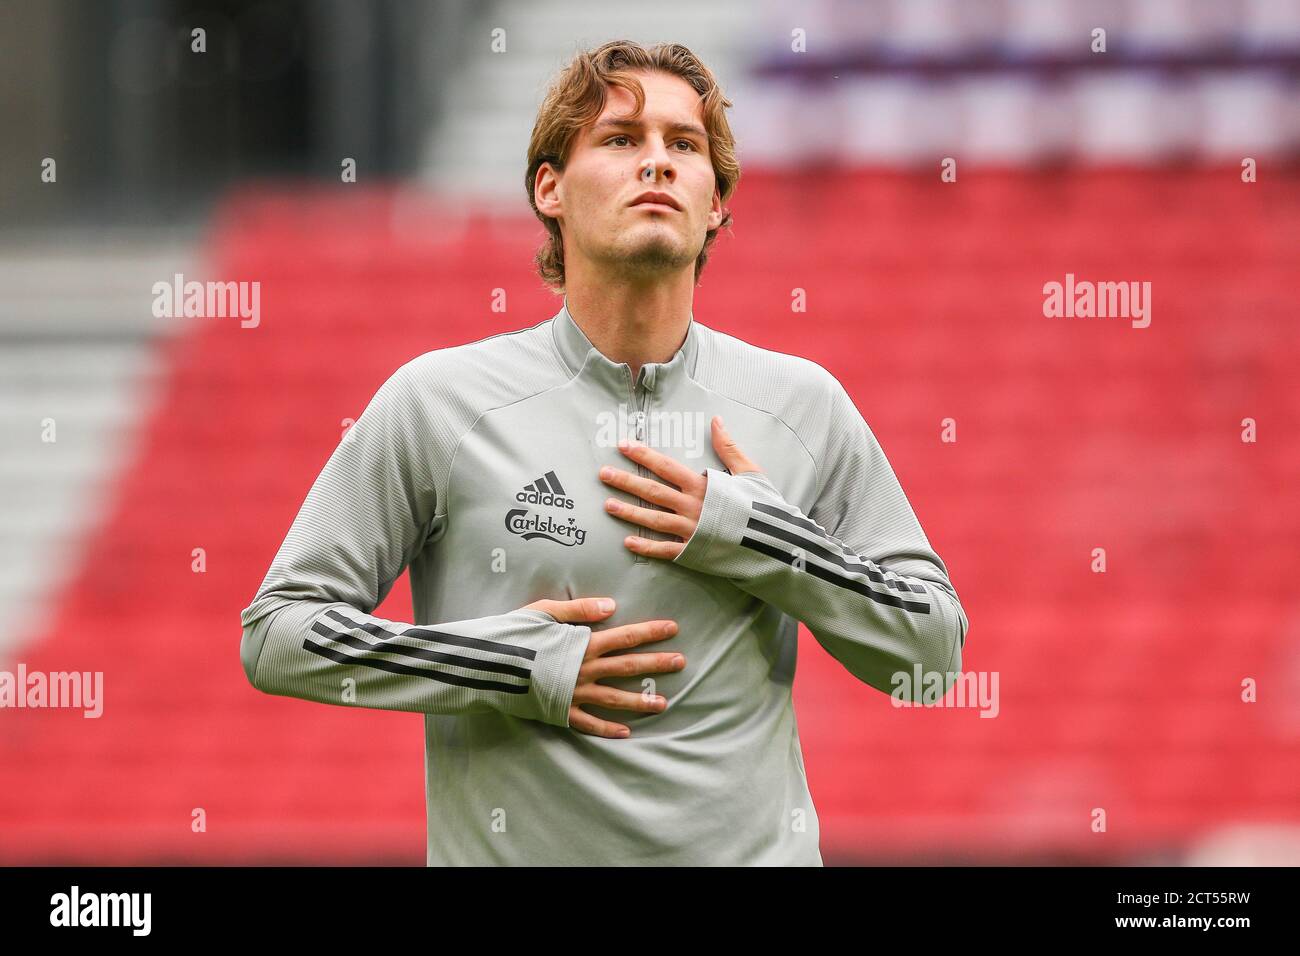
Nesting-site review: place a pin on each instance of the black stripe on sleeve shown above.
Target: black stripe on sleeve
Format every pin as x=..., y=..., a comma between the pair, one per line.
x=849, y=584
x=438, y=637
x=420, y=653
x=395, y=667
x=834, y=557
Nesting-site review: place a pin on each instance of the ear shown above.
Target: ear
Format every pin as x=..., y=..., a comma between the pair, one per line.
x=546, y=191
x=715, y=210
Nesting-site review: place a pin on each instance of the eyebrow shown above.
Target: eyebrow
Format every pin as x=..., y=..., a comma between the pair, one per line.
x=637, y=124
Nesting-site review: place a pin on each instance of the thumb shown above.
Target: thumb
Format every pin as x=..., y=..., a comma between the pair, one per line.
x=578, y=609
x=732, y=457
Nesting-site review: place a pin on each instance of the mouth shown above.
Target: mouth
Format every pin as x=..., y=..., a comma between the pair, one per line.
x=659, y=201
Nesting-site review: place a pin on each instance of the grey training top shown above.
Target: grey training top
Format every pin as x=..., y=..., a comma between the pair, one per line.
x=477, y=467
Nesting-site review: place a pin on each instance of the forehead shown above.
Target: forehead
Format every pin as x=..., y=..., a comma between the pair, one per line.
x=668, y=99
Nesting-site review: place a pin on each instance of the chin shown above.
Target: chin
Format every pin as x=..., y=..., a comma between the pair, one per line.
x=656, y=245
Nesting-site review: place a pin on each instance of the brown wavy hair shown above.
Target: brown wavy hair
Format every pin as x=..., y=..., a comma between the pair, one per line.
x=577, y=97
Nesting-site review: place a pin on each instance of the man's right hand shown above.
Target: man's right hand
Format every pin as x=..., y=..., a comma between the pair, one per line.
x=595, y=666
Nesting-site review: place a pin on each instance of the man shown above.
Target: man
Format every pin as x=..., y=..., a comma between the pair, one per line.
x=657, y=728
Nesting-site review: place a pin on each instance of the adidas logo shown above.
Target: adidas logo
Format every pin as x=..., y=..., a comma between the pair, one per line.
x=545, y=490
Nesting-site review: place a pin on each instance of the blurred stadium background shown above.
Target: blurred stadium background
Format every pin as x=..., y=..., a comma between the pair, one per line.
x=1119, y=690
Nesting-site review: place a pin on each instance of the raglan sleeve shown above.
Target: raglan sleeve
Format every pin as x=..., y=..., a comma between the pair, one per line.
x=858, y=570
x=310, y=631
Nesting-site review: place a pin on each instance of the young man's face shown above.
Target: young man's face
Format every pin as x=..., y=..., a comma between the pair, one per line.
x=600, y=197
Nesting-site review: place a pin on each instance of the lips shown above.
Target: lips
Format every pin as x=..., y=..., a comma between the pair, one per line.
x=661, y=199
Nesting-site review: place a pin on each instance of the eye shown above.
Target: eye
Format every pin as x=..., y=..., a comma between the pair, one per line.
x=685, y=142
x=620, y=136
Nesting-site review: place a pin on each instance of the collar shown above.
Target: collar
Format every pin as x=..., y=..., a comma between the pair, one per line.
x=583, y=358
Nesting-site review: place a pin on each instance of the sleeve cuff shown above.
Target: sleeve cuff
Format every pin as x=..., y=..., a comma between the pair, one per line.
x=723, y=518
x=558, y=663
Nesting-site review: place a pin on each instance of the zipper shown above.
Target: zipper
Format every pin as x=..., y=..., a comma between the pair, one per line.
x=638, y=414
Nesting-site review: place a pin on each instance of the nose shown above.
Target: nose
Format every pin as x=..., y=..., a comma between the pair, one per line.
x=652, y=172
x=657, y=163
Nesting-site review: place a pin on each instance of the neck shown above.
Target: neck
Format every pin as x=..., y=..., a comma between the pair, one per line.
x=632, y=320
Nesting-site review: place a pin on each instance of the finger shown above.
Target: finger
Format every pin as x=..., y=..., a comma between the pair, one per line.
x=583, y=721
x=578, y=609
x=666, y=521
x=645, y=488
x=619, y=699
x=668, y=550
x=659, y=463
x=630, y=665
x=629, y=635
x=728, y=451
